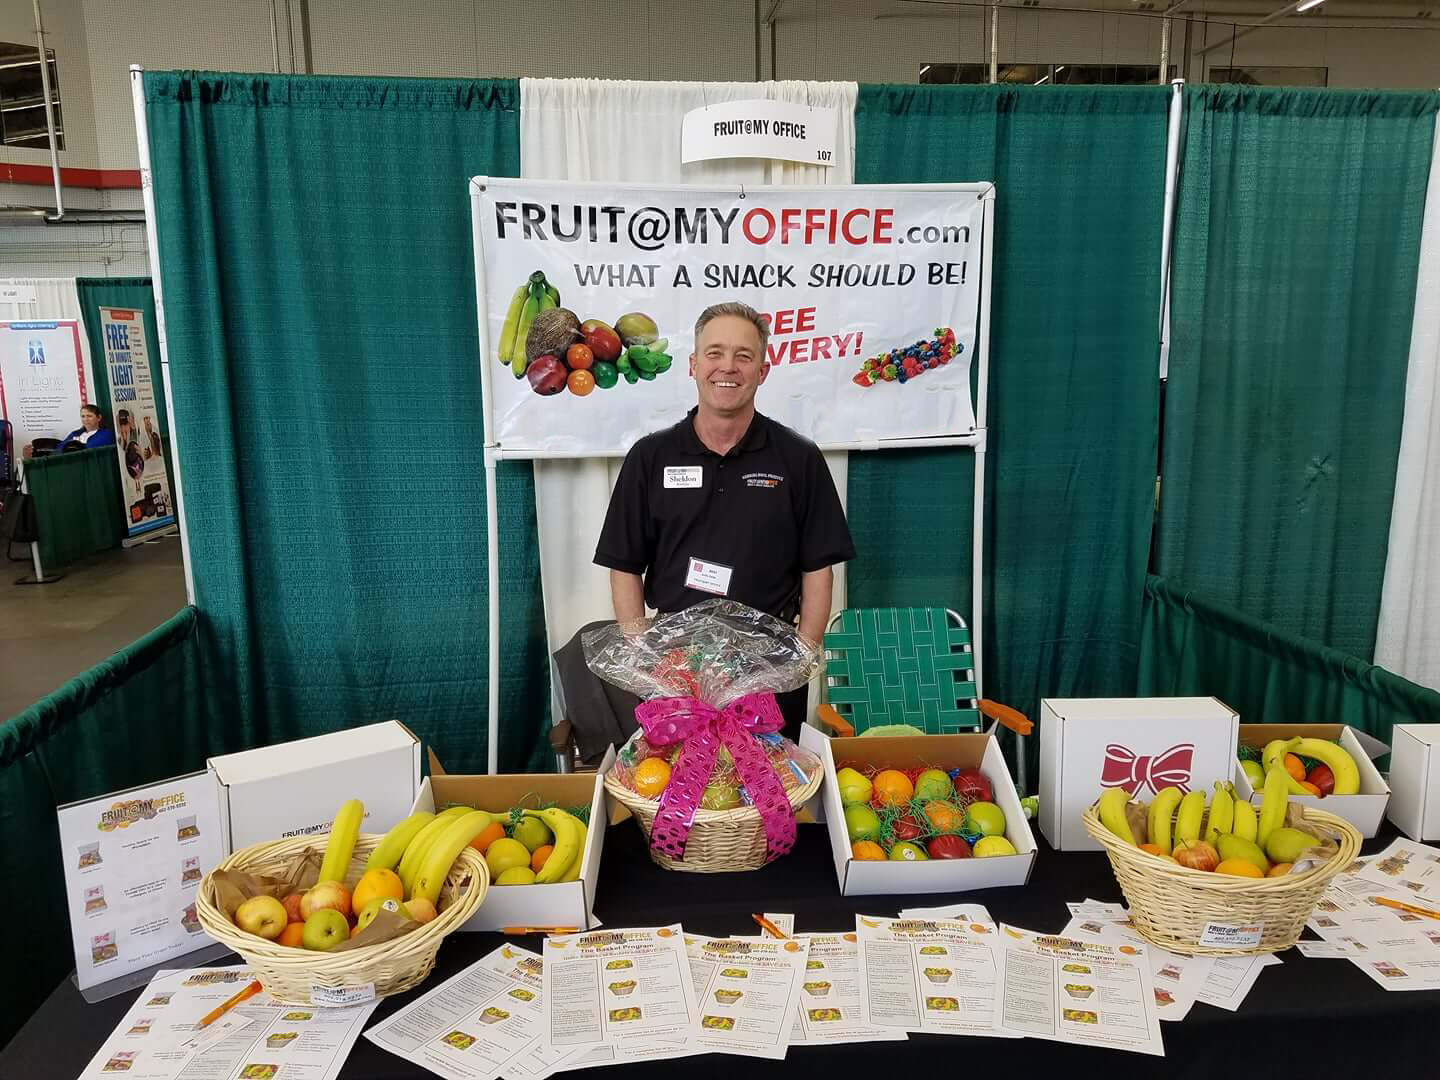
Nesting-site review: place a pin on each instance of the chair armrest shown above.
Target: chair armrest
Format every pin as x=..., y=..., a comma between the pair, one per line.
x=1004, y=715
x=830, y=718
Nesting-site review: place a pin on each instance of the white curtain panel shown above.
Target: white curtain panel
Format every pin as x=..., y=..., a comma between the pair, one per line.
x=1408, y=638
x=55, y=298
x=629, y=132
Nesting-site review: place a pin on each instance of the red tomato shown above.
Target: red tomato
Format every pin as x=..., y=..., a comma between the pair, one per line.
x=579, y=357
x=1322, y=778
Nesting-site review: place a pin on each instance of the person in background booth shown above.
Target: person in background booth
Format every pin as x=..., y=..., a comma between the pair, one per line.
x=727, y=502
x=92, y=432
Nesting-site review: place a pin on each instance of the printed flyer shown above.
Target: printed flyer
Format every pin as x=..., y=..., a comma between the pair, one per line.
x=144, y=481
x=591, y=291
x=831, y=1006
x=618, y=988
x=747, y=990
x=132, y=862
x=1081, y=992
x=930, y=975
x=259, y=1039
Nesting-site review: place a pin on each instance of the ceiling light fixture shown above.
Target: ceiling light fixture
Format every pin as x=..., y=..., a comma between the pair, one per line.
x=1307, y=5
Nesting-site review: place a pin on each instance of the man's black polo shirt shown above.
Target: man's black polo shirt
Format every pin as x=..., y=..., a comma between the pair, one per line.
x=767, y=509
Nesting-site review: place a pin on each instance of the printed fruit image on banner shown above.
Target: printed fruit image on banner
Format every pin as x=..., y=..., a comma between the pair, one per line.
x=591, y=293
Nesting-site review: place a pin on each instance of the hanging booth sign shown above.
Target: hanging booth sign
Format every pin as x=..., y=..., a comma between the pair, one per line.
x=778, y=130
x=144, y=482
x=873, y=295
x=42, y=378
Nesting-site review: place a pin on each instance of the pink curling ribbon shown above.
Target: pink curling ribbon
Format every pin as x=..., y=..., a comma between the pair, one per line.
x=1134, y=772
x=702, y=729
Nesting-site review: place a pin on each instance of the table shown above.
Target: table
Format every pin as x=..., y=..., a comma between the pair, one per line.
x=1317, y=1018
x=79, y=508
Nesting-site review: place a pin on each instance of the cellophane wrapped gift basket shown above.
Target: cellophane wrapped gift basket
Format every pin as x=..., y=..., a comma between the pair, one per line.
x=713, y=783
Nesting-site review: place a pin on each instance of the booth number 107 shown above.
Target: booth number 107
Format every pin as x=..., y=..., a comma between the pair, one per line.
x=823, y=155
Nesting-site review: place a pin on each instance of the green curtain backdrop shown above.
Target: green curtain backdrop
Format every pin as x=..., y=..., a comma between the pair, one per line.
x=1194, y=646
x=320, y=312
x=1079, y=175
x=1296, y=246
x=78, y=743
x=135, y=293
x=79, y=508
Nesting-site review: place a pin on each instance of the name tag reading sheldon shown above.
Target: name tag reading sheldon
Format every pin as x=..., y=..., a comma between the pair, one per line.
x=709, y=577
x=684, y=476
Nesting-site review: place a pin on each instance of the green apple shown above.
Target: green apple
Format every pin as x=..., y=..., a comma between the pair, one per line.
x=933, y=784
x=504, y=853
x=533, y=833
x=905, y=851
x=720, y=797
x=987, y=846
x=854, y=787
x=1254, y=773
x=325, y=929
x=984, y=818
x=861, y=823
x=374, y=907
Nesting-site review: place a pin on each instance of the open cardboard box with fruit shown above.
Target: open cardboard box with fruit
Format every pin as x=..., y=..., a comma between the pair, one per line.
x=1365, y=809
x=561, y=904
x=861, y=877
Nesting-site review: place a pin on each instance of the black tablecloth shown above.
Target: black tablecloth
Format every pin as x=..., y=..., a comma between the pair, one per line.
x=1304, y=1017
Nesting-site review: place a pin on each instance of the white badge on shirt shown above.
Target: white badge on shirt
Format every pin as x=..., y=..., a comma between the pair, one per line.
x=708, y=577
x=684, y=476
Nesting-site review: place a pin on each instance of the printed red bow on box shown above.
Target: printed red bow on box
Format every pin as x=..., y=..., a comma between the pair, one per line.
x=1131, y=771
x=703, y=729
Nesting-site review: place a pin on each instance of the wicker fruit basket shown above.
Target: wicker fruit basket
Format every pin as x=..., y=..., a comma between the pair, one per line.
x=1171, y=905
x=721, y=841
x=287, y=973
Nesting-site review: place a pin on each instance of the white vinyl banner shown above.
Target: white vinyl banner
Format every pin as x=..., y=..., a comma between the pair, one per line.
x=591, y=292
x=144, y=482
x=42, y=379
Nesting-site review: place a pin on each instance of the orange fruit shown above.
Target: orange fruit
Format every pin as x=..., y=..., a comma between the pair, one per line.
x=651, y=777
x=943, y=816
x=892, y=788
x=867, y=850
x=581, y=382
x=539, y=855
x=291, y=934
x=1294, y=766
x=377, y=883
x=1239, y=868
x=1153, y=849
x=492, y=832
x=1280, y=869
x=1311, y=788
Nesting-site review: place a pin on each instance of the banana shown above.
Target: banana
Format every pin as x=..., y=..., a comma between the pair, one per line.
x=1347, y=775
x=1272, y=807
x=1162, y=811
x=573, y=874
x=387, y=855
x=1274, y=758
x=342, y=841
x=567, y=830
x=443, y=852
x=1222, y=812
x=415, y=850
x=553, y=293
x=512, y=322
x=1188, y=818
x=1246, y=826
x=1111, y=809
x=518, y=363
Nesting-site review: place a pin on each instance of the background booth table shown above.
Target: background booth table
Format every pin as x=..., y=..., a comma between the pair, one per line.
x=77, y=504
x=1320, y=1015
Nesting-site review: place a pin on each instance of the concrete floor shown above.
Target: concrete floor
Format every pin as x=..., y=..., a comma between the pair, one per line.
x=51, y=633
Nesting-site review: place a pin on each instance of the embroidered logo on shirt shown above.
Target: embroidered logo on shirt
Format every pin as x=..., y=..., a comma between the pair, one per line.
x=762, y=479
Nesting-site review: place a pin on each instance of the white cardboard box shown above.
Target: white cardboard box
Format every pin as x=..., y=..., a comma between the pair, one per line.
x=570, y=903
x=1148, y=738
x=1366, y=810
x=1415, y=780
x=294, y=788
x=860, y=877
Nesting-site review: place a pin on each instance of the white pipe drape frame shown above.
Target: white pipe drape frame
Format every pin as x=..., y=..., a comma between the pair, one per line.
x=495, y=453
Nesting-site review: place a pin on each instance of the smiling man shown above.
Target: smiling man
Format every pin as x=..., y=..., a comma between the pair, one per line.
x=727, y=502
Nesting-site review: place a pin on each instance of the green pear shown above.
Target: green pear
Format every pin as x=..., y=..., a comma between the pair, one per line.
x=1286, y=845
x=1235, y=847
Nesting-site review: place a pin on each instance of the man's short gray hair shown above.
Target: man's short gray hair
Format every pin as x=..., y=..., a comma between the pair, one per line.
x=740, y=311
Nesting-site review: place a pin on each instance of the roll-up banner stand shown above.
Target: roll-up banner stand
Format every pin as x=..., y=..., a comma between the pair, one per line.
x=878, y=299
x=144, y=479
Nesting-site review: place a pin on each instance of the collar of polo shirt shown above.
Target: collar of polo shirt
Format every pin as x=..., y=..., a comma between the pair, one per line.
x=756, y=436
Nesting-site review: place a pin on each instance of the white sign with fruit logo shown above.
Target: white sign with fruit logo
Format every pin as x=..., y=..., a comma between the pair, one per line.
x=589, y=295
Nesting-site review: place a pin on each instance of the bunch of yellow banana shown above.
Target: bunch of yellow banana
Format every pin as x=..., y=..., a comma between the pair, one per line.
x=570, y=833
x=531, y=298
x=423, y=848
x=1342, y=765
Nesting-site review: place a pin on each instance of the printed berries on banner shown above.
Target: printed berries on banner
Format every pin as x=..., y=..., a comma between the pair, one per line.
x=903, y=363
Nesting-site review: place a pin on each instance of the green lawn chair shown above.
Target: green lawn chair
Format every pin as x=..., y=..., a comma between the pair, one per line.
x=907, y=666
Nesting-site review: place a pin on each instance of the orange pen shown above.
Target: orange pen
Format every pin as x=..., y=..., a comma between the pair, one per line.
x=768, y=926
x=244, y=995
x=1400, y=905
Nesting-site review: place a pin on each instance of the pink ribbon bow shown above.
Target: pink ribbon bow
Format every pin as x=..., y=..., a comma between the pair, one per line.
x=703, y=729
x=1126, y=769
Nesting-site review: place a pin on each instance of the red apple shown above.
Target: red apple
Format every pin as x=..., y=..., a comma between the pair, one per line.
x=971, y=785
x=328, y=894
x=906, y=828
x=1323, y=778
x=292, y=907
x=547, y=375
x=1197, y=856
x=949, y=847
x=602, y=340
